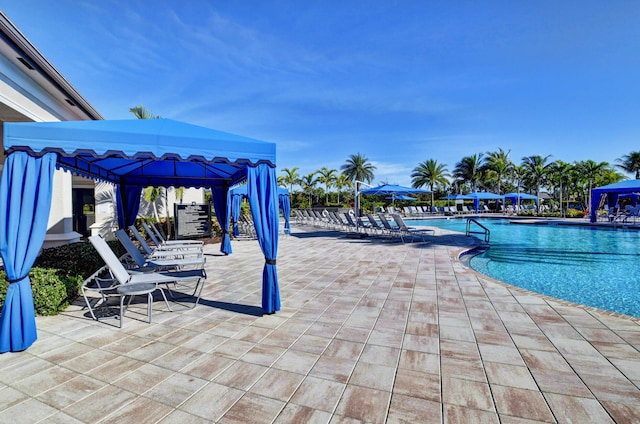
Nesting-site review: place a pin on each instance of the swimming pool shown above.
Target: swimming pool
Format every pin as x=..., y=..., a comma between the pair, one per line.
x=593, y=266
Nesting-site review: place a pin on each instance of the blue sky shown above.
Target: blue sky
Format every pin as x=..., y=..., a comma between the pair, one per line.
x=398, y=81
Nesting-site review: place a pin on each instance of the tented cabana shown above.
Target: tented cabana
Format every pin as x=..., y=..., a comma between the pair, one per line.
x=234, y=201
x=482, y=195
x=612, y=191
x=516, y=198
x=131, y=154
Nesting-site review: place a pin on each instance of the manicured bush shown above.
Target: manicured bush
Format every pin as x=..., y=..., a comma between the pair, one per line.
x=75, y=258
x=50, y=289
x=574, y=213
x=58, y=273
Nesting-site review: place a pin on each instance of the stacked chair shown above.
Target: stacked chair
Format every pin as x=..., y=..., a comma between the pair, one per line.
x=173, y=267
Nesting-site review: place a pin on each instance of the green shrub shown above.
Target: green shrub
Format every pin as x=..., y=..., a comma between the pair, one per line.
x=50, y=289
x=58, y=273
x=75, y=258
x=574, y=213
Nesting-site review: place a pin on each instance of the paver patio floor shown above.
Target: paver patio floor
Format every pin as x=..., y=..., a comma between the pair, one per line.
x=369, y=331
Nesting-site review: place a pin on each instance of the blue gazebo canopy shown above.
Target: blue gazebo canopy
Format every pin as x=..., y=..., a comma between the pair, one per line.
x=513, y=197
x=131, y=154
x=457, y=197
x=143, y=152
x=482, y=195
x=613, y=191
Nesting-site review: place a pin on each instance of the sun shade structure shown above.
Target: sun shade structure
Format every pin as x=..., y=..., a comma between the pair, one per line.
x=522, y=196
x=457, y=197
x=612, y=191
x=131, y=154
x=400, y=197
x=482, y=195
x=391, y=190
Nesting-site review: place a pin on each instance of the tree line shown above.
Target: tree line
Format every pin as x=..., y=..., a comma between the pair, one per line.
x=494, y=172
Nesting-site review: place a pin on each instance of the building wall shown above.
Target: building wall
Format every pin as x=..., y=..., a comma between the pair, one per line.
x=31, y=89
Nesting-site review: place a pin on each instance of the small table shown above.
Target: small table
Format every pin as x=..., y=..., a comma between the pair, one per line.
x=137, y=289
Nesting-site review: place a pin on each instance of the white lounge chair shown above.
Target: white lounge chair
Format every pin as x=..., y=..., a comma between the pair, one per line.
x=405, y=230
x=190, y=279
x=170, y=259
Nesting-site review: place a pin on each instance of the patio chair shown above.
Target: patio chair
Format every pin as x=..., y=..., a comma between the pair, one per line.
x=176, y=251
x=191, y=280
x=392, y=231
x=377, y=227
x=351, y=224
x=365, y=226
x=161, y=244
x=105, y=287
x=404, y=229
x=155, y=263
x=165, y=242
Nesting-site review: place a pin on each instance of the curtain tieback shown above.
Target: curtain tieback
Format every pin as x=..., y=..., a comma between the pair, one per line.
x=270, y=261
x=17, y=280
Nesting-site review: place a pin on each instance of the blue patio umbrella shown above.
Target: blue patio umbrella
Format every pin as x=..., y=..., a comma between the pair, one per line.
x=393, y=190
x=394, y=197
x=400, y=197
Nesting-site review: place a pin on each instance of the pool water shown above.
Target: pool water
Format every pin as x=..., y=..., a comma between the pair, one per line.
x=593, y=266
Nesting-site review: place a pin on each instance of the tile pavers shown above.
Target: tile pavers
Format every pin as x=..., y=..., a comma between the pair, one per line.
x=369, y=330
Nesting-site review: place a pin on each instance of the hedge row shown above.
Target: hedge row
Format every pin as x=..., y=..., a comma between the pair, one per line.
x=58, y=273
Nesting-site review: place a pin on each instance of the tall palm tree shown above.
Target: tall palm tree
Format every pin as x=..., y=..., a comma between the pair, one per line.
x=536, y=169
x=150, y=194
x=358, y=168
x=141, y=112
x=341, y=182
x=590, y=171
x=516, y=173
x=179, y=191
x=469, y=169
x=291, y=177
x=430, y=173
x=327, y=177
x=308, y=184
x=560, y=171
x=499, y=163
x=630, y=163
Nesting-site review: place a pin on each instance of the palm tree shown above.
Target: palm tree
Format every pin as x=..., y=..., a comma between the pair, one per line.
x=291, y=177
x=141, y=112
x=590, y=171
x=341, y=182
x=358, y=168
x=536, y=169
x=179, y=191
x=327, y=177
x=308, y=184
x=499, y=163
x=516, y=173
x=151, y=195
x=560, y=172
x=430, y=173
x=630, y=163
x=469, y=169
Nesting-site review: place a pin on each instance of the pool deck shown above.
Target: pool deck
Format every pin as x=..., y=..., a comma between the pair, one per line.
x=370, y=331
